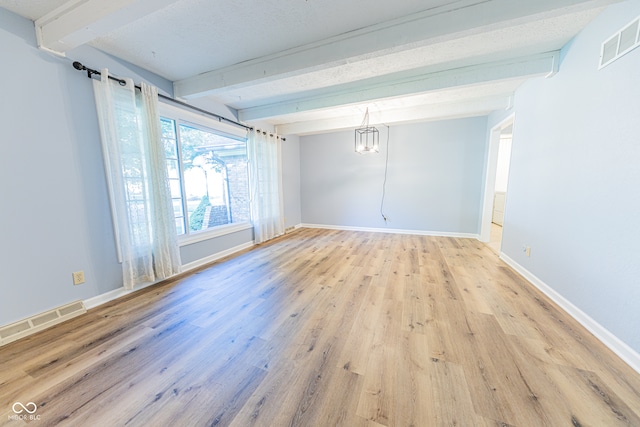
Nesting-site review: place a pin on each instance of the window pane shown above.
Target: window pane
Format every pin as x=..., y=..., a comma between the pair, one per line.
x=176, y=191
x=172, y=169
x=168, y=128
x=170, y=150
x=215, y=178
x=180, y=225
x=137, y=213
x=170, y=143
x=134, y=189
x=131, y=166
x=177, y=208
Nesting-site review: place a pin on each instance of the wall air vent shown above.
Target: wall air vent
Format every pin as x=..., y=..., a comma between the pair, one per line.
x=23, y=328
x=621, y=43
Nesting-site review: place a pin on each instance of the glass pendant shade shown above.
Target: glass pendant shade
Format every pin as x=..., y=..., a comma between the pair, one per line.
x=367, y=138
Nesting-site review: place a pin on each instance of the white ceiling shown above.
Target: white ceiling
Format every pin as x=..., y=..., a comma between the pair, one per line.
x=310, y=66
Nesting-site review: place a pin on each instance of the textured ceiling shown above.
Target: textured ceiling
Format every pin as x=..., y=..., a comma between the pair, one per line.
x=512, y=41
x=193, y=36
x=316, y=65
x=32, y=9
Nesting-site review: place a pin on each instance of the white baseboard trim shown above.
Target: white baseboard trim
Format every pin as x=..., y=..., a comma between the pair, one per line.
x=393, y=231
x=120, y=292
x=626, y=353
x=114, y=294
x=291, y=228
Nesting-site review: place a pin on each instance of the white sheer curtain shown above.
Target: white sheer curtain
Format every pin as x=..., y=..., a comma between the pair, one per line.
x=266, y=185
x=135, y=165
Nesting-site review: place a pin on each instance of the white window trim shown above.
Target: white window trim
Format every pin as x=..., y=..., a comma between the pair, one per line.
x=176, y=113
x=173, y=112
x=220, y=230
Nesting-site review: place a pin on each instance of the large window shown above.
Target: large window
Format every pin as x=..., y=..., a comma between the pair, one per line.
x=207, y=171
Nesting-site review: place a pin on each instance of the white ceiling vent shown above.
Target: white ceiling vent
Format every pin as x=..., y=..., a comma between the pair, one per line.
x=621, y=43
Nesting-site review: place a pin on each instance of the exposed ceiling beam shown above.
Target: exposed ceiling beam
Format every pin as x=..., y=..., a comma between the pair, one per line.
x=79, y=21
x=469, y=108
x=529, y=66
x=462, y=18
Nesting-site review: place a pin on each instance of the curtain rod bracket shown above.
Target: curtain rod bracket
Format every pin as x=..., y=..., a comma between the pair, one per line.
x=90, y=72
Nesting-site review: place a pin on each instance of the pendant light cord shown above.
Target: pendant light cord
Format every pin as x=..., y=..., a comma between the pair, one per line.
x=384, y=183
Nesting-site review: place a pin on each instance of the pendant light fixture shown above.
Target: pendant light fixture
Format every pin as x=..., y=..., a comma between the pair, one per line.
x=367, y=137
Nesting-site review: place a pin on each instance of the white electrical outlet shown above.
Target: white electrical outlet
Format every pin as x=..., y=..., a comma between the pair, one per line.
x=527, y=251
x=78, y=277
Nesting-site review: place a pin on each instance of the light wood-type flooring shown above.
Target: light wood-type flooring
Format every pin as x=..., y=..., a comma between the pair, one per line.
x=326, y=328
x=495, y=238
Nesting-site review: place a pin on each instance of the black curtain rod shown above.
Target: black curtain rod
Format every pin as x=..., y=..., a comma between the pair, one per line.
x=90, y=72
x=264, y=132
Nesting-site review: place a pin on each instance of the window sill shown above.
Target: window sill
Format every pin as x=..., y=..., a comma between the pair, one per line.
x=221, y=230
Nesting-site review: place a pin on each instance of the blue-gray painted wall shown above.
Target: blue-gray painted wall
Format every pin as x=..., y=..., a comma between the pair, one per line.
x=434, y=178
x=55, y=216
x=574, y=184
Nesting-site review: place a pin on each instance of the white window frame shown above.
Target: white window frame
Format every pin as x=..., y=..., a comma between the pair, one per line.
x=207, y=123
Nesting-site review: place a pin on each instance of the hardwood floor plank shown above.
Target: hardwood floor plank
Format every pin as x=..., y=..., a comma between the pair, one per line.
x=82, y=362
x=75, y=398
x=591, y=400
x=305, y=390
x=413, y=402
x=416, y=312
x=335, y=313
x=268, y=400
x=473, y=294
x=338, y=400
x=326, y=328
x=355, y=354
x=380, y=389
x=452, y=401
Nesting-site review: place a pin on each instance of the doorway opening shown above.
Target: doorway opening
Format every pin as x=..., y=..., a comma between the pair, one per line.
x=496, y=183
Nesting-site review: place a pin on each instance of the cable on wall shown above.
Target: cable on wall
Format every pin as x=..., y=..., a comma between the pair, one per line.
x=384, y=183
